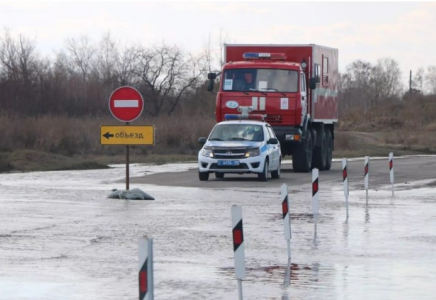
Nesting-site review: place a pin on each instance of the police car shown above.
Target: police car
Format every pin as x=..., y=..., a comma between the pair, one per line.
x=240, y=144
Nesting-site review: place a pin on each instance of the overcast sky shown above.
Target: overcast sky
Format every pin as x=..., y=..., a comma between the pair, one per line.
x=404, y=31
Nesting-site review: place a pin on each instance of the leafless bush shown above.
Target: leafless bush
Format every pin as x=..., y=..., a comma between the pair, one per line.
x=79, y=136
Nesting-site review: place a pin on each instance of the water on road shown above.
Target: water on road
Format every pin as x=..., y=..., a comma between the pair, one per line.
x=62, y=238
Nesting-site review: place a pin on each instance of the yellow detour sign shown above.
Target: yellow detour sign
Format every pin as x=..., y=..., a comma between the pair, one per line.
x=127, y=135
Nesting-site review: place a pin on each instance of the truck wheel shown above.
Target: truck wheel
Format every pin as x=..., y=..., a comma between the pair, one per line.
x=302, y=155
x=329, y=158
x=264, y=175
x=219, y=175
x=320, y=153
x=276, y=174
x=203, y=176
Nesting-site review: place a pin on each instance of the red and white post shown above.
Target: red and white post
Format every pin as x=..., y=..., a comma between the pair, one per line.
x=286, y=216
x=287, y=228
x=391, y=170
x=145, y=276
x=315, y=186
x=238, y=246
x=345, y=180
x=366, y=177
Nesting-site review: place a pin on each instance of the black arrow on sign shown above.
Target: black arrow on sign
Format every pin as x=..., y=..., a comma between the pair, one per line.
x=108, y=135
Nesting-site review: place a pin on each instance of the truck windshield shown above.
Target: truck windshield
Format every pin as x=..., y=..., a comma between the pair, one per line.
x=237, y=132
x=262, y=80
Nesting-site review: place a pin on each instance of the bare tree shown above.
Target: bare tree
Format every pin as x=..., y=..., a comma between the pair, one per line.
x=164, y=71
x=82, y=53
x=430, y=80
x=418, y=80
x=356, y=84
x=107, y=58
x=386, y=80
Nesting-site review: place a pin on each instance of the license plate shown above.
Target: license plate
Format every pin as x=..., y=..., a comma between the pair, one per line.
x=232, y=163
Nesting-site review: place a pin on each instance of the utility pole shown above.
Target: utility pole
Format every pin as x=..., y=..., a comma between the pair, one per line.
x=410, y=83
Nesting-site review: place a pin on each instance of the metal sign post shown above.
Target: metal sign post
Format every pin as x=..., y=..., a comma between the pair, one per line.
x=127, y=165
x=126, y=105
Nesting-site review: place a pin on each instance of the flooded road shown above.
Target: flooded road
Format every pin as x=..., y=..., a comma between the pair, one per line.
x=61, y=238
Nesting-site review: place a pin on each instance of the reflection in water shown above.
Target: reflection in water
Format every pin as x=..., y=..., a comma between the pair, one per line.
x=367, y=217
x=344, y=279
x=345, y=234
x=287, y=281
x=315, y=272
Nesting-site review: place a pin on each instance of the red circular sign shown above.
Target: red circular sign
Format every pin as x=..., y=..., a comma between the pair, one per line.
x=126, y=104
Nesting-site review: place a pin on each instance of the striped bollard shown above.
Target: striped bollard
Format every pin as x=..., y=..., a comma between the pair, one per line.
x=315, y=186
x=345, y=180
x=145, y=277
x=366, y=177
x=238, y=246
x=287, y=227
x=286, y=216
x=391, y=170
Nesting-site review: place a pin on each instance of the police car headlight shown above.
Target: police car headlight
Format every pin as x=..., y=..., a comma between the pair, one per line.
x=207, y=152
x=252, y=152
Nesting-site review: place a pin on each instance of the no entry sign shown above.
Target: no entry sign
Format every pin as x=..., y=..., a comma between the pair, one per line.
x=126, y=104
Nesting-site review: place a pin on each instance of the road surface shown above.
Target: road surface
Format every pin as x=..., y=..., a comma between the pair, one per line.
x=407, y=168
x=62, y=238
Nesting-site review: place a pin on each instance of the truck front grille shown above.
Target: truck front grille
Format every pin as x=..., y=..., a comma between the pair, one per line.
x=273, y=119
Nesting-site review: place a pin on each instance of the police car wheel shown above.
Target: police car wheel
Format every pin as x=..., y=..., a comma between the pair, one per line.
x=276, y=174
x=203, y=176
x=264, y=175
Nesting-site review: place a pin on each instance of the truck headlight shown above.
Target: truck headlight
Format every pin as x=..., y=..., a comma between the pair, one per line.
x=207, y=152
x=252, y=152
x=292, y=137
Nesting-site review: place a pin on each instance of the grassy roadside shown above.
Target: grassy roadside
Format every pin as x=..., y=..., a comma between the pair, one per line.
x=348, y=144
x=31, y=160
x=61, y=143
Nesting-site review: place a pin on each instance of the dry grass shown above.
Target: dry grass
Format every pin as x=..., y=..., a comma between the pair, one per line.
x=74, y=136
x=409, y=126
x=59, y=142
x=412, y=114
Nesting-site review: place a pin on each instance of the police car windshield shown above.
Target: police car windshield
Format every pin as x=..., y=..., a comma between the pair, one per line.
x=237, y=132
x=262, y=80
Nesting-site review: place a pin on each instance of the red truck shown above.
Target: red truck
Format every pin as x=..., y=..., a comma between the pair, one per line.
x=295, y=87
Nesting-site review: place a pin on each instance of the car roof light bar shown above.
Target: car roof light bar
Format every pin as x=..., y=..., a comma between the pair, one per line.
x=230, y=117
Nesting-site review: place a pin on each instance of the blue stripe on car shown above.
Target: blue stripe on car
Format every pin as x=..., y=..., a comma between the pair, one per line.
x=263, y=148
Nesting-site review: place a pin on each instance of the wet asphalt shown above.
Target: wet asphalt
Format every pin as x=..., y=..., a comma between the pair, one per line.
x=62, y=238
x=406, y=168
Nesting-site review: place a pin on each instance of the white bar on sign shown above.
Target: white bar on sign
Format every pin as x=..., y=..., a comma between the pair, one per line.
x=126, y=103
